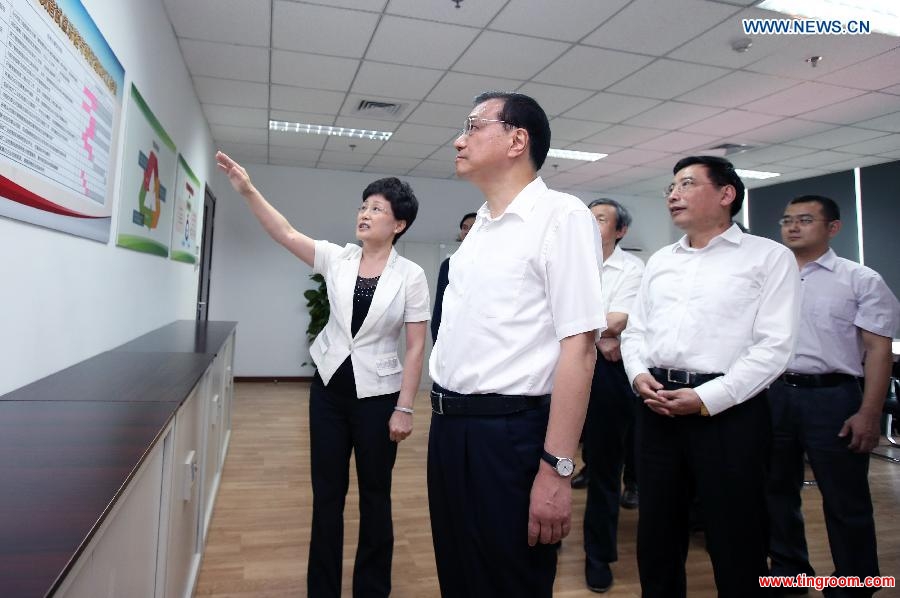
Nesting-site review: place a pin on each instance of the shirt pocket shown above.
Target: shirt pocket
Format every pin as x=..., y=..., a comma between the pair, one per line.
x=498, y=292
x=388, y=364
x=834, y=313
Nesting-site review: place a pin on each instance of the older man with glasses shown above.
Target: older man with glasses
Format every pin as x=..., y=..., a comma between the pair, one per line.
x=713, y=325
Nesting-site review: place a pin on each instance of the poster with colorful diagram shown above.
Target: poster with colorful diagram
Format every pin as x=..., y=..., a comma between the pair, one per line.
x=148, y=174
x=188, y=193
x=61, y=92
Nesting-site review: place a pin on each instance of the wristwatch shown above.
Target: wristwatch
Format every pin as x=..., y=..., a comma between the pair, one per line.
x=563, y=465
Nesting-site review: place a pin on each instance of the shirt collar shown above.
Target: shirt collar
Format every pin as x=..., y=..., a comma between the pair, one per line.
x=616, y=259
x=827, y=260
x=523, y=203
x=733, y=234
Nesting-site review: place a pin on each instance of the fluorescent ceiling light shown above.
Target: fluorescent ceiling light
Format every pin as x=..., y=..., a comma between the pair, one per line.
x=883, y=15
x=289, y=127
x=573, y=155
x=755, y=174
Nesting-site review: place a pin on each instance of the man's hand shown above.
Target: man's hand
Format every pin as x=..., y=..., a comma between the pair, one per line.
x=609, y=349
x=684, y=401
x=550, y=511
x=864, y=430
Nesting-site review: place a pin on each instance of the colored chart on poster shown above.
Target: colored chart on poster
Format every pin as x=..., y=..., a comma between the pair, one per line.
x=188, y=195
x=148, y=173
x=60, y=101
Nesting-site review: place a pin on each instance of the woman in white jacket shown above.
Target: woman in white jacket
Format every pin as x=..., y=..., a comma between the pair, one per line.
x=361, y=398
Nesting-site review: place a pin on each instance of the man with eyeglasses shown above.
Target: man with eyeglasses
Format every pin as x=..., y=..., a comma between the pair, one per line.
x=713, y=325
x=518, y=325
x=465, y=225
x=848, y=316
x=609, y=425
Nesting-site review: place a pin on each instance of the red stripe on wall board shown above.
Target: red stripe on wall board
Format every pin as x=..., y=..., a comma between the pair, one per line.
x=17, y=193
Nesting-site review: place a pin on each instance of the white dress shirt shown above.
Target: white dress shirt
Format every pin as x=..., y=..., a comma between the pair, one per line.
x=401, y=296
x=838, y=299
x=520, y=283
x=621, y=279
x=729, y=307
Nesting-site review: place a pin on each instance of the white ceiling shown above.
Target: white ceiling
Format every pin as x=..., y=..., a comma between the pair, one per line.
x=646, y=81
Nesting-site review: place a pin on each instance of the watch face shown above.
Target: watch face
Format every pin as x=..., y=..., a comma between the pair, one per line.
x=565, y=467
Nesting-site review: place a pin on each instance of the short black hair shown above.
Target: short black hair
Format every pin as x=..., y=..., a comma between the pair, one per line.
x=830, y=209
x=520, y=110
x=400, y=195
x=721, y=172
x=466, y=217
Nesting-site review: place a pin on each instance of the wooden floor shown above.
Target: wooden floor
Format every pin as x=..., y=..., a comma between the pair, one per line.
x=258, y=540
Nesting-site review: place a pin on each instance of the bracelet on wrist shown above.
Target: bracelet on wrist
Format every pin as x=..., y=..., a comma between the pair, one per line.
x=409, y=410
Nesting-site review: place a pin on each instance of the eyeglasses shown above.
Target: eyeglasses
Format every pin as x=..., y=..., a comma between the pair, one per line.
x=682, y=186
x=469, y=125
x=801, y=220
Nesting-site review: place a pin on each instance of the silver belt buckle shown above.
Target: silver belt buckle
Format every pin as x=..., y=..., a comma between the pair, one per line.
x=686, y=380
x=440, y=402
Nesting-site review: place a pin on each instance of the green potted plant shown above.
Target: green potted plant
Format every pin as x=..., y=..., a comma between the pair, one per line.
x=319, y=309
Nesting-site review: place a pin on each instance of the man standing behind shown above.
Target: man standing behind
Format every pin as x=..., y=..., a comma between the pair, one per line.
x=465, y=225
x=612, y=405
x=519, y=319
x=713, y=325
x=847, y=318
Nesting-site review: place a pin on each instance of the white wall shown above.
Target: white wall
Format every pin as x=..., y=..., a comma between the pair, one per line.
x=259, y=284
x=66, y=298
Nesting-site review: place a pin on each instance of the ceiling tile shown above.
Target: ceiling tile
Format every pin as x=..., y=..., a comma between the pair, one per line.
x=395, y=81
x=731, y=122
x=855, y=109
x=544, y=19
x=437, y=45
x=294, y=153
x=321, y=29
x=248, y=21
x=300, y=99
x=425, y=134
x=224, y=133
x=835, y=137
x=802, y=98
x=893, y=89
x=838, y=53
x=636, y=157
x=672, y=115
x=591, y=68
x=680, y=141
x=302, y=117
x=888, y=143
x=461, y=89
x=285, y=139
x=512, y=55
x=888, y=122
x=392, y=164
x=785, y=130
x=775, y=154
x=610, y=107
x=737, y=88
x=236, y=116
x=434, y=168
x=653, y=27
x=432, y=113
x=368, y=5
x=226, y=92
x=226, y=61
x=404, y=149
x=624, y=135
x=554, y=99
x=352, y=116
x=824, y=158
x=348, y=158
x=244, y=152
x=567, y=129
x=312, y=70
x=666, y=79
x=298, y=163
x=875, y=73
x=475, y=13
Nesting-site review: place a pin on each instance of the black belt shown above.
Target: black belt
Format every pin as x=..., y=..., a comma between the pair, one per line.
x=815, y=380
x=681, y=377
x=444, y=403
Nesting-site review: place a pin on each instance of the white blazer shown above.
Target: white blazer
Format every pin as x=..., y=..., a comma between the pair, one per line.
x=401, y=296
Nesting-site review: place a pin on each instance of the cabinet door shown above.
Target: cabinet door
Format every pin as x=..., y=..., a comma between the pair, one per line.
x=183, y=544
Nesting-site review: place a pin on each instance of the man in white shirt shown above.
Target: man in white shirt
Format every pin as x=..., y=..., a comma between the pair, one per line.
x=848, y=316
x=519, y=319
x=713, y=325
x=612, y=405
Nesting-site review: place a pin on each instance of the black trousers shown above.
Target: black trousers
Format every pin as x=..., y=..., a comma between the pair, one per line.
x=480, y=473
x=808, y=420
x=725, y=457
x=610, y=419
x=339, y=424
